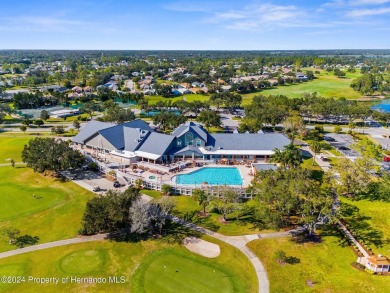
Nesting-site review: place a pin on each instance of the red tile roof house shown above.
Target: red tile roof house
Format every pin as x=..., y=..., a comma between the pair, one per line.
x=378, y=264
x=77, y=89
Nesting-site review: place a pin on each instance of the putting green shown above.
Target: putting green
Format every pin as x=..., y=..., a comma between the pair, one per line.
x=178, y=272
x=84, y=261
x=140, y=263
x=18, y=198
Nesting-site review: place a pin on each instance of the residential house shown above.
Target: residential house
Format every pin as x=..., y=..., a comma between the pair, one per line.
x=77, y=89
x=378, y=264
x=300, y=76
x=184, y=85
x=226, y=88
x=184, y=91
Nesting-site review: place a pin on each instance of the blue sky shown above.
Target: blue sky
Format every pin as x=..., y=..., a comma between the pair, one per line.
x=197, y=25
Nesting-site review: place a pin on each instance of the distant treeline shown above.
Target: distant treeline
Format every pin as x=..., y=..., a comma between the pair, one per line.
x=26, y=56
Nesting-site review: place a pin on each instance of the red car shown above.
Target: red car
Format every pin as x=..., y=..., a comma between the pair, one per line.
x=386, y=158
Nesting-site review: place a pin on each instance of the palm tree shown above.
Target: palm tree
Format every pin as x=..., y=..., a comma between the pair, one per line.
x=203, y=198
x=290, y=157
x=166, y=189
x=138, y=183
x=316, y=148
x=278, y=158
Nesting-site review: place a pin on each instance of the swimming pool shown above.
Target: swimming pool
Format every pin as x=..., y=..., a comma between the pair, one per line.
x=211, y=175
x=384, y=106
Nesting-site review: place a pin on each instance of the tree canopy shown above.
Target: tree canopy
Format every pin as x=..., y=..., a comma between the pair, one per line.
x=49, y=154
x=209, y=118
x=284, y=193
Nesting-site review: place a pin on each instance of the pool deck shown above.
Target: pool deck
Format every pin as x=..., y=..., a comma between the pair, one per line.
x=169, y=178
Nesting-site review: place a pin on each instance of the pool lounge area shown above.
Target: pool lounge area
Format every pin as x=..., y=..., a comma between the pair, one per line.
x=211, y=176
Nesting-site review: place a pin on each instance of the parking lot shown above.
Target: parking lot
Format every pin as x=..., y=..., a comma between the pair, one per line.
x=89, y=179
x=343, y=142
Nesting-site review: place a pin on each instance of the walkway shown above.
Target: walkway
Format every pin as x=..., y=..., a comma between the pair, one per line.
x=77, y=240
x=354, y=241
x=9, y=164
x=240, y=243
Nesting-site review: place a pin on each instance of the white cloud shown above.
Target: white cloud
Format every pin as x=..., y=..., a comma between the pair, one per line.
x=368, y=2
x=368, y=12
x=260, y=17
x=50, y=24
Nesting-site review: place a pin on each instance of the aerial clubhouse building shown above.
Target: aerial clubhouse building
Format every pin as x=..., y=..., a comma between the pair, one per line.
x=137, y=141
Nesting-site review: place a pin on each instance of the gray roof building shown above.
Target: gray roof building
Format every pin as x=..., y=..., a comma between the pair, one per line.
x=156, y=144
x=195, y=128
x=91, y=129
x=246, y=141
x=138, y=139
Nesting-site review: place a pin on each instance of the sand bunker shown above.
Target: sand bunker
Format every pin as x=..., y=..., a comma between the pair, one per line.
x=201, y=247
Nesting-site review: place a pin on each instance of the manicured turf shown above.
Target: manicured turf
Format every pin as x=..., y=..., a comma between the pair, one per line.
x=55, y=213
x=11, y=146
x=189, y=98
x=18, y=198
x=326, y=85
x=84, y=261
x=371, y=220
x=180, y=273
x=141, y=265
x=56, y=210
x=326, y=264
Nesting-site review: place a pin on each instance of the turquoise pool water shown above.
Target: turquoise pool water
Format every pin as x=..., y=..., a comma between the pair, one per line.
x=213, y=176
x=383, y=106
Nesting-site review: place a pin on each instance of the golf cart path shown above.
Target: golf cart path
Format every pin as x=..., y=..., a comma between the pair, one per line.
x=58, y=243
x=238, y=242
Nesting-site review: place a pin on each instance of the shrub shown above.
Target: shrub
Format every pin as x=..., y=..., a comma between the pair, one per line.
x=337, y=129
x=93, y=166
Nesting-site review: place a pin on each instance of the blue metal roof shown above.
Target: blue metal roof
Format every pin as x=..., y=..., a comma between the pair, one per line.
x=247, y=141
x=91, y=129
x=197, y=129
x=156, y=143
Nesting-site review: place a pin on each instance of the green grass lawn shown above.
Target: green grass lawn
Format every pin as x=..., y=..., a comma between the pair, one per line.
x=189, y=98
x=326, y=85
x=140, y=263
x=327, y=264
x=187, y=208
x=55, y=213
x=68, y=119
x=11, y=146
x=57, y=208
x=370, y=219
x=20, y=199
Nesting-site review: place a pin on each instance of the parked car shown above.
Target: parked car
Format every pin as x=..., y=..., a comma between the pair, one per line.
x=386, y=158
x=96, y=188
x=328, y=138
x=343, y=148
x=325, y=159
x=116, y=184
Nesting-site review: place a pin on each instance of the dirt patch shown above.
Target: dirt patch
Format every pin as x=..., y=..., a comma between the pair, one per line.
x=310, y=283
x=202, y=247
x=222, y=221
